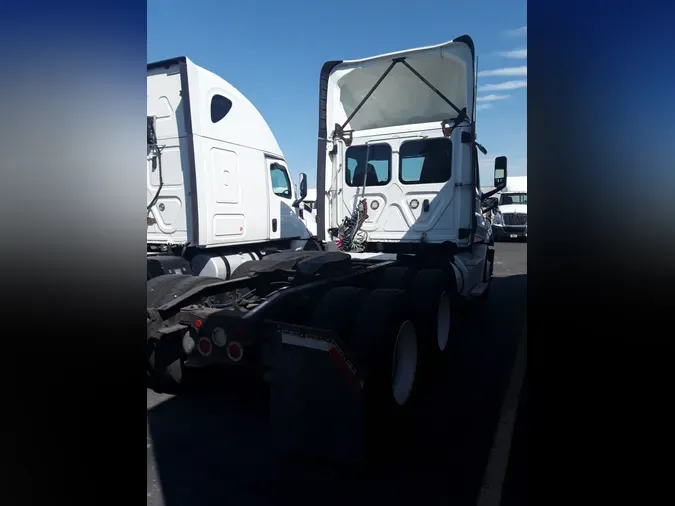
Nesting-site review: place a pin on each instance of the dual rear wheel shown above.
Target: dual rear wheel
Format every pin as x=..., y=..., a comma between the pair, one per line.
x=398, y=332
x=397, y=335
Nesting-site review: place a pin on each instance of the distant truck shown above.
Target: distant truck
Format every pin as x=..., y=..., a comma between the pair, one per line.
x=308, y=211
x=510, y=219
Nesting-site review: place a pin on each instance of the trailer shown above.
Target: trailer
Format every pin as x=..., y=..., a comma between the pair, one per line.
x=350, y=333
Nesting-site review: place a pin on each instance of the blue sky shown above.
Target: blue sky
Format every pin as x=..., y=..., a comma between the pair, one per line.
x=272, y=51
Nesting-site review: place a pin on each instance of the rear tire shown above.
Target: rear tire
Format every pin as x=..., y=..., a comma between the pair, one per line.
x=338, y=309
x=433, y=296
x=385, y=348
x=393, y=277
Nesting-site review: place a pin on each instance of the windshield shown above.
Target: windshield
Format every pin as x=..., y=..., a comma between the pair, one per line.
x=513, y=198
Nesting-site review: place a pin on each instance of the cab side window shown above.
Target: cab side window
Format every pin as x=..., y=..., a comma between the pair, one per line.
x=281, y=183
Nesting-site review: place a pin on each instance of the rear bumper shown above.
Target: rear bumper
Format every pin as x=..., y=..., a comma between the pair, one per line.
x=509, y=232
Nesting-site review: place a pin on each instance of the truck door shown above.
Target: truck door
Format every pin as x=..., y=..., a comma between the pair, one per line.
x=280, y=198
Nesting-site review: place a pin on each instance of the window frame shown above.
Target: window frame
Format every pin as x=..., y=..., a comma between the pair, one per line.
x=364, y=146
x=401, y=158
x=274, y=166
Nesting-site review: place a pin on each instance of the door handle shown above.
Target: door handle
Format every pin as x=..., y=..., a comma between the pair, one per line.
x=274, y=225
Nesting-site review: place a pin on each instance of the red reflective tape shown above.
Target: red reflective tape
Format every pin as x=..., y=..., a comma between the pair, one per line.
x=345, y=366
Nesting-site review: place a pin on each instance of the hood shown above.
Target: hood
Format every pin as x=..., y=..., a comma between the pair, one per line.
x=402, y=98
x=513, y=208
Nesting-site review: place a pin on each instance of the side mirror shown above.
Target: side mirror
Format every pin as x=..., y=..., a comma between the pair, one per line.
x=500, y=173
x=303, y=192
x=303, y=186
x=500, y=178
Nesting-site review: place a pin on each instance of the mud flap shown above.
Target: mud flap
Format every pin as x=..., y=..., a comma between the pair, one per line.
x=316, y=397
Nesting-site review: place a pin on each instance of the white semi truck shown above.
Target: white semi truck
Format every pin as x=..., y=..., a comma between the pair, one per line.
x=510, y=220
x=401, y=246
x=219, y=191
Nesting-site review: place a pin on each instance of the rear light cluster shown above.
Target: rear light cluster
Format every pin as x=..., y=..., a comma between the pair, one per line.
x=219, y=337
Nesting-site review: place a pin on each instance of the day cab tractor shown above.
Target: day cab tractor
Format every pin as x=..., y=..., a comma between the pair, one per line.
x=510, y=218
x=364, y=310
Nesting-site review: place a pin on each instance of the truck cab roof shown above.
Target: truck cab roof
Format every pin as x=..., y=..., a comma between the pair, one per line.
x=244, y=126
x=402, y=98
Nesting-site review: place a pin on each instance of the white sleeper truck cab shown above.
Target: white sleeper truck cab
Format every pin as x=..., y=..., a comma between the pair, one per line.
x=510, y=220
x=398, y=160
x=219, y=190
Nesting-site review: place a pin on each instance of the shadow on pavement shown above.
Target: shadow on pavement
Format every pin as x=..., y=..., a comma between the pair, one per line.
x=214, y=446
x=515, y=487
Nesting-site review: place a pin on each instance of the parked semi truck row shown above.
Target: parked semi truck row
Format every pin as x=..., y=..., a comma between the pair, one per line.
x=401, y=243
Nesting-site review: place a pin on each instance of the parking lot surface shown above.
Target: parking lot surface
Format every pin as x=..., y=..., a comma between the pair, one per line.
x=214, y=447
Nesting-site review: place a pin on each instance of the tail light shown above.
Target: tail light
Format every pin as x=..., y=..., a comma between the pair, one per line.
x=235, y=352
x=204, y=346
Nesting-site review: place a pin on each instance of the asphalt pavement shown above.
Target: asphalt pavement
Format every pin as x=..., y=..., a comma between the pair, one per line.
x=215, y=447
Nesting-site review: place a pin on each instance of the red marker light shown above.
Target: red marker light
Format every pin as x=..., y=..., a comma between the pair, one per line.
x=235, y=352
x=198, y=324
x=204, y=347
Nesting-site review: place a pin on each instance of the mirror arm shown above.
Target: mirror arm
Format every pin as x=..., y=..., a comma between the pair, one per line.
x=489, y=194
